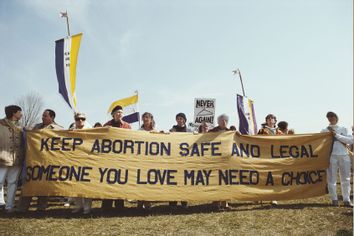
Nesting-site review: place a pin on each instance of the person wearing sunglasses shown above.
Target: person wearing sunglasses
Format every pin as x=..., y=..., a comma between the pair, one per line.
x=81, y=203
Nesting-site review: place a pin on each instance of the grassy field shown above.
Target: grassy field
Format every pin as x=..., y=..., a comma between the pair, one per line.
x=305, y=217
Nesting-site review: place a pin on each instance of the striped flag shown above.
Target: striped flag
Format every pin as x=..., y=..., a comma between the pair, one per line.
x=66, y=53
x=246, y=115
x=130, y=108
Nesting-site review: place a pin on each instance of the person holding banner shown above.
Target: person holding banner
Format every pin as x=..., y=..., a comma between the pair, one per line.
x=48, y=122
x=203, y=127
x=148, y=122
x=181, y=126
x=148, y=125
x=269, y=128
x=81, y=203
x=97, y=125
x=339, y=160
x=283, y=127
x=118, y=122
x=12, y=154
x=223, y=120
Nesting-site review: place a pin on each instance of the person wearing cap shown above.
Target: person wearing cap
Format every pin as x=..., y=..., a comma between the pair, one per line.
x=269, y=128
x=11, y=155
x=339, y=160
x=48, y=122
x=118, y=122
x=81, y=204
x=80, y=121
x=181, y=126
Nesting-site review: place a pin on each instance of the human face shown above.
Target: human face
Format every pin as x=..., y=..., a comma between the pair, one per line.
x=118, y=115
x=17, y=116
x=80, y=122
x=147, y=120
x=271, y=122
x=46, y=119
x=222, y=123
x=205, y=127
x=180, y=121
x=332, y=120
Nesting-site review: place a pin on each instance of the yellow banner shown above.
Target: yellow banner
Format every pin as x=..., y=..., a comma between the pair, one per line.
x=118, y=163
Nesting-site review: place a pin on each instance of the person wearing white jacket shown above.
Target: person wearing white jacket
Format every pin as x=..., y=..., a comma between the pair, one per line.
x=81, y=203
x=339, y=160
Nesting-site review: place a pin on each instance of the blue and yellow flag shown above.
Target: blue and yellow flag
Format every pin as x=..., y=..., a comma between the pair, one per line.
x=130, y=108
x=246, y=115
x=66, y=54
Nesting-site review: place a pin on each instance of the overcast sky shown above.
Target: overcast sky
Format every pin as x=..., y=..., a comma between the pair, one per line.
x=295, y=56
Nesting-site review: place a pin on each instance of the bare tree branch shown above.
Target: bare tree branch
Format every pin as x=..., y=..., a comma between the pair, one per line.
x=31, y=104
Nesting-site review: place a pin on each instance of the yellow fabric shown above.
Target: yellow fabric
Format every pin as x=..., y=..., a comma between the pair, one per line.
x=170, y=159
x=124, y=102
x=75, y=45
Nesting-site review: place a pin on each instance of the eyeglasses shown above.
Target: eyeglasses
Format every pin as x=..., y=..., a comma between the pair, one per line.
x=77, y=119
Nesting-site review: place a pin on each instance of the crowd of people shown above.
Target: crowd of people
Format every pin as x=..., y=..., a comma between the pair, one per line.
x=12, y=154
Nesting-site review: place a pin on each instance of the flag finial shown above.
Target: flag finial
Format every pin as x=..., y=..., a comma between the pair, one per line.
x=65, y=14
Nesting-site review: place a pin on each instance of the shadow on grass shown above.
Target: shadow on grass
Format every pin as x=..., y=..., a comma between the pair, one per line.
x=344, y=232
x=158, y=210
x=297, y=206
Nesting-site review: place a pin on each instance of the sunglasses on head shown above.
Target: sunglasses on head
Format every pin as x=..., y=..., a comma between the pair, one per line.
x=77, y=119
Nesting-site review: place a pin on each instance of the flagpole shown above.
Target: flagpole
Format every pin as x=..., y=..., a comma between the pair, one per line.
x=137, y=106
x=65, y=14
x=67, y=24
x=237, y=71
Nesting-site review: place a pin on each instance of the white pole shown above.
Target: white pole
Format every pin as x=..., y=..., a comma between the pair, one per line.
x=137, y=107
x=65, y=14
x=237, y=71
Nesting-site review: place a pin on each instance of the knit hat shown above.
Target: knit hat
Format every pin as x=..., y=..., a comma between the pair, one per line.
x=116, y=108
